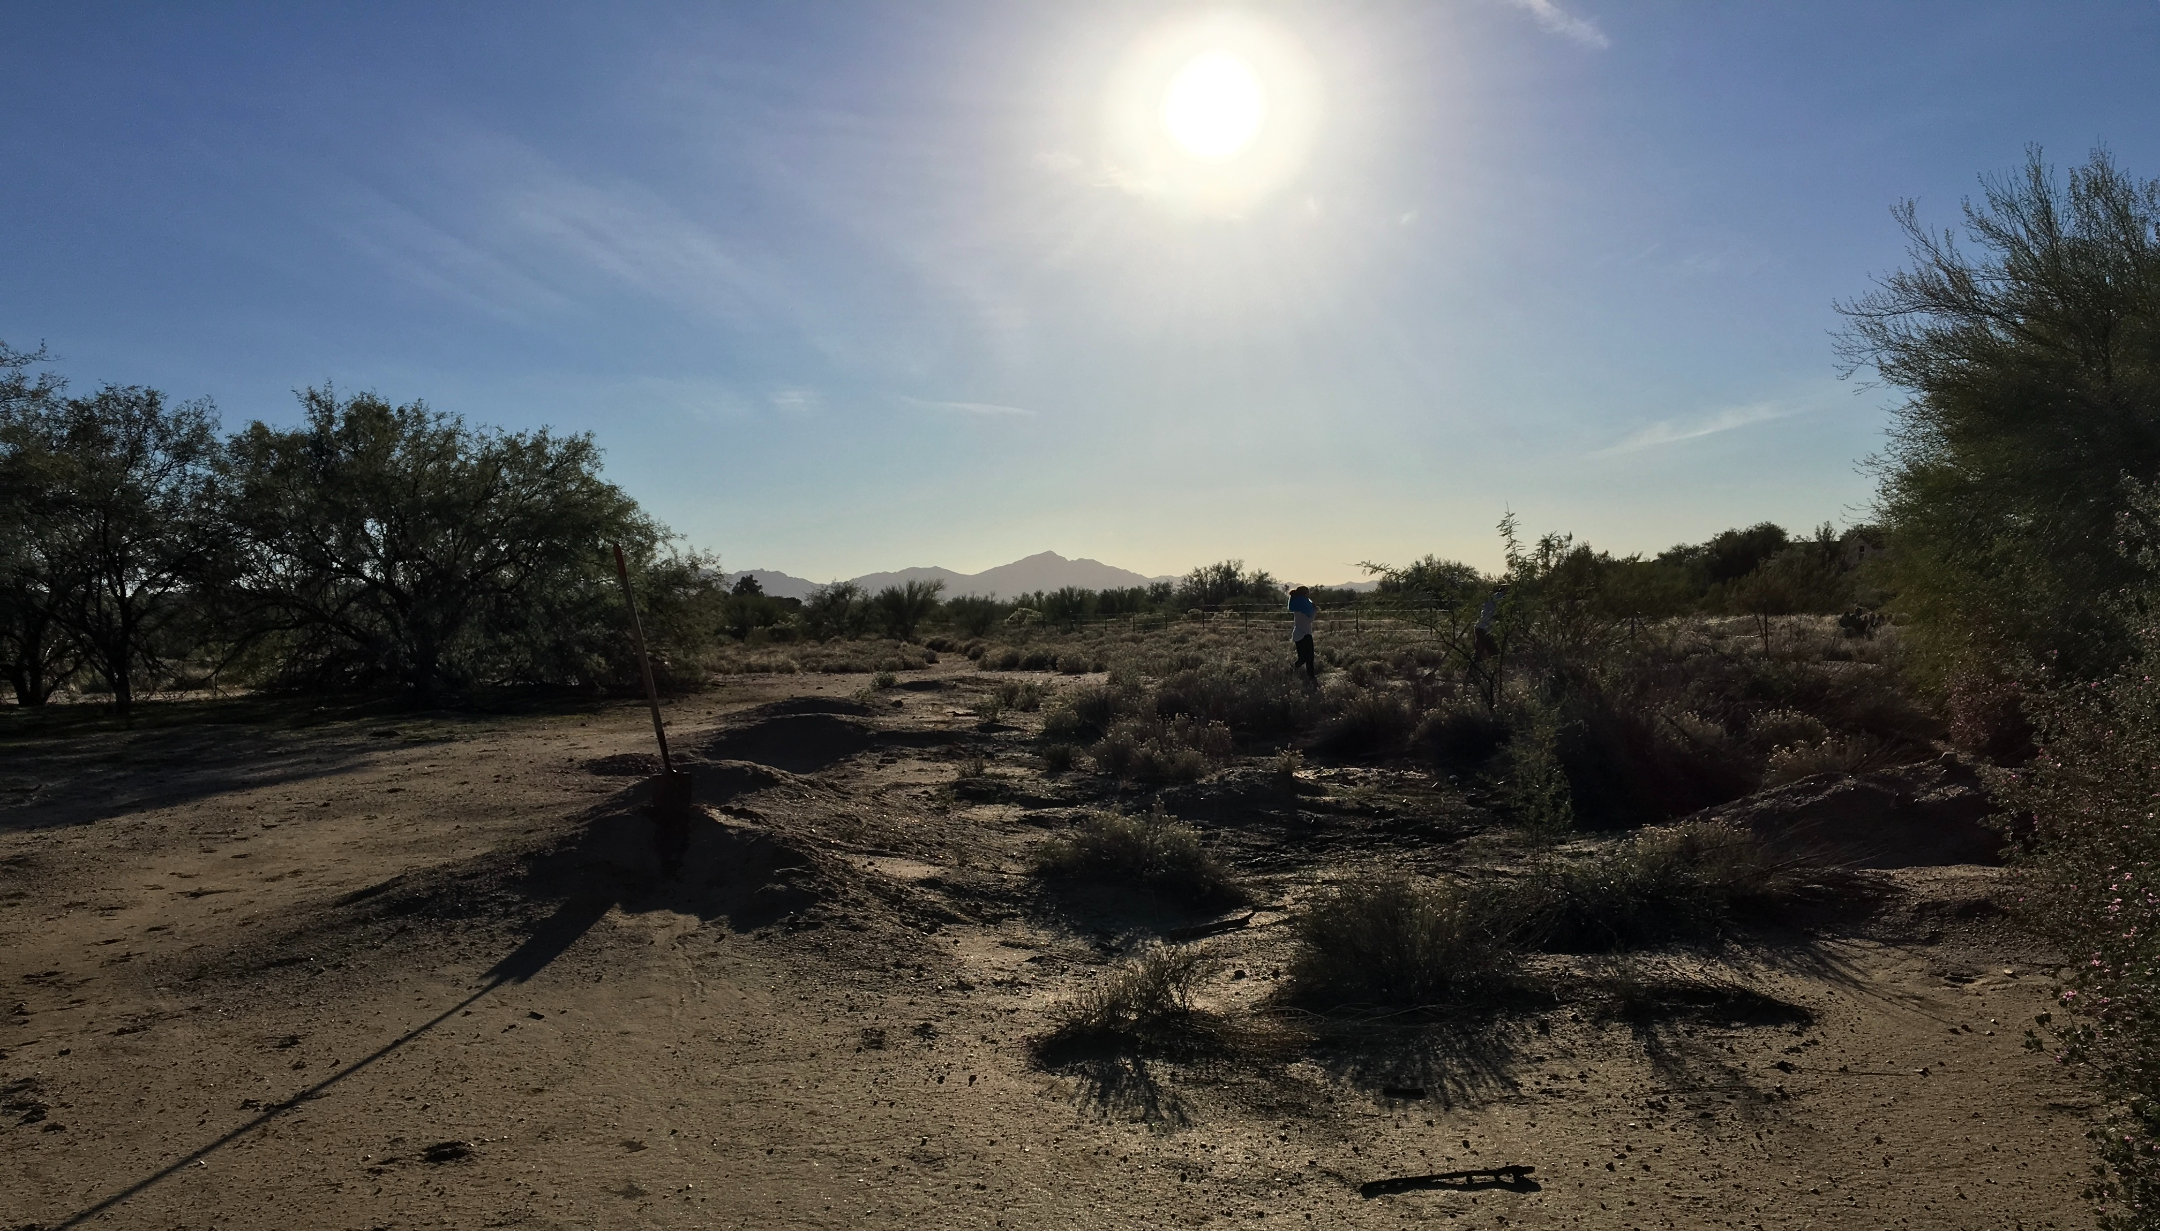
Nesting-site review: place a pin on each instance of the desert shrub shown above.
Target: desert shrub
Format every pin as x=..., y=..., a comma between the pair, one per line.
x=1535, y=787
x=1062, y=725
x=1000, y=658
x=1986, y=716
x=841, y=656
x=1284, y=768
x=1244, y=697
x=1095, y=707
x=1774, y=729
x=1460, y=737
x=1182, y=749
x=973, y=766
x=1022, y=695
x=883, y=680
x=1152, y=851
x=1629, y=760
x=973, y=615
x=1039, y=658
x=901, y=609
x=1145, y=1005
x=1396, y=942
x=1371, y=722
x=755, y=664
x=1077, y=662
x=2095, y=892
x=1849, y=754
x=1672, y=883
x=990, y=707
x=1057, y=758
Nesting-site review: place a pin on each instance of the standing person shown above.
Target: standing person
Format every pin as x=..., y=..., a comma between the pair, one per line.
x=1486, y=646
x=1302, y=612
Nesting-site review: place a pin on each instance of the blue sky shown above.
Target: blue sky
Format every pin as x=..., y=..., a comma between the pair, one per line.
x=846, y=287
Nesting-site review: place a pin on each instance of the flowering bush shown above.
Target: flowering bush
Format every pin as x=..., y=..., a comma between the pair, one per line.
x=2093, y=793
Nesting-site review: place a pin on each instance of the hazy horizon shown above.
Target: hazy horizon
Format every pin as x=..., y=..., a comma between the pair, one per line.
x=842, y=290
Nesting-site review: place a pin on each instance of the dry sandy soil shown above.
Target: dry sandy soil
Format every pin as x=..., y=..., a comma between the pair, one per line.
x=420, y=971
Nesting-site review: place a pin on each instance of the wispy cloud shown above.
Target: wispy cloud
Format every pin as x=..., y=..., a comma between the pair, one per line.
x=1673, y=431
x=1556, y=20
x=971, y=408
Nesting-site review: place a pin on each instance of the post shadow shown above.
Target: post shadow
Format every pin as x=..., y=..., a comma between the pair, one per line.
x=548, y=941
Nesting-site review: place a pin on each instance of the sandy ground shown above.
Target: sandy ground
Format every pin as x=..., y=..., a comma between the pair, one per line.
x=417, y=972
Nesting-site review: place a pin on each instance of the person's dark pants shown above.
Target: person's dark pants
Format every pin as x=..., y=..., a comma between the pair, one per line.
x=1304, y=656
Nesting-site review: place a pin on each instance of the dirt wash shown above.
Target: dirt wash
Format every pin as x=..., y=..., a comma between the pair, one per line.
x=419, y=972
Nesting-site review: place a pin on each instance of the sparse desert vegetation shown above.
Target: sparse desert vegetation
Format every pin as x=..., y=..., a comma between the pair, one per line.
x=1808, y=859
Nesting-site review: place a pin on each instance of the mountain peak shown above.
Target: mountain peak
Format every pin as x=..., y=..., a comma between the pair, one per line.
x=1045, y=570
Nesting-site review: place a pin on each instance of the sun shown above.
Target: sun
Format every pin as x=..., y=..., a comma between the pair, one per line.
x=1215, y=106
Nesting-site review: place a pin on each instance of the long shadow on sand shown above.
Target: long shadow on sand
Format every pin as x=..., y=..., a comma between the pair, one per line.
x=602, y=861
x=548, y=941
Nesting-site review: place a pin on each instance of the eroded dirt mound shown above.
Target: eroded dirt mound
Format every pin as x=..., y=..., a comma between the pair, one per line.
x=806, y=705
x=1927, y=815
x=624, y=765
x=800, y=743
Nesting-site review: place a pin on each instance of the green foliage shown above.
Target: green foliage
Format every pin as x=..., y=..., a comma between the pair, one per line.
x=1067, y=605
x=973, y=614
x=1212, y=587
x=841, y=609
x=901, y=609
x=2031, y=361
x=2094, y=869
x=38, y=568
x=1448, y=583
x=109, y=522
x=381, y=543
x=1535, y=786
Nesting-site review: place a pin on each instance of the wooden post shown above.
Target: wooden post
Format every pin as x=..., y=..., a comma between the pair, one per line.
x=637, y=638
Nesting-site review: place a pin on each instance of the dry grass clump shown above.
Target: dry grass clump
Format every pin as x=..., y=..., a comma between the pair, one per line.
x=1144, y=1005
x=1026, y=696
x=1398, y=942
x=1284, y=768
x=1152, y=851
x=769, y=663
x=1460, y=736
x=1370, y=722
x=1184, y=749
x=1262, y=696
x=1852, y=754
x=1774, y=729
x=1679, y=882
x=1406, y=942
x=850, y=657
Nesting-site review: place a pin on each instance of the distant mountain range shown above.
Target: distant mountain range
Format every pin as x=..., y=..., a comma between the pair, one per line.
x=1043, y=571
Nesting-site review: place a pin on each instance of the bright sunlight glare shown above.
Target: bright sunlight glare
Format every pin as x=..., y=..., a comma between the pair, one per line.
x=1214, y=106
